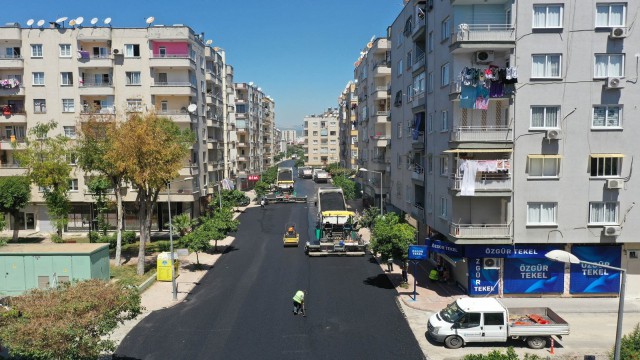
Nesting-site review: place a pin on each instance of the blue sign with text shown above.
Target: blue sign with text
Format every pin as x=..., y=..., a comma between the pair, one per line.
x=482, y=281
x=533, y=276
x=519, y=251
x=591, y=279
x=417, y=252
x=445, y=247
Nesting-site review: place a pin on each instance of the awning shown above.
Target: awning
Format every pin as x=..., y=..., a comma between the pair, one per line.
x=607, y=155
x=478, y=150
x=540, y=156
x=452, y=259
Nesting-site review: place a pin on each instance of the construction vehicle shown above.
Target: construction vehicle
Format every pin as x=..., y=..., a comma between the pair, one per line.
x=335, y=227
x=291, y=236
x=284, y=181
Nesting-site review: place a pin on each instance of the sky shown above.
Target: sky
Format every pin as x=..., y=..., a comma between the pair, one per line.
x=301, y=53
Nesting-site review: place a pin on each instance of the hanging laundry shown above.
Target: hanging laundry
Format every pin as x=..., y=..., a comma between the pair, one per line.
x=468, y=183
x=83, y=54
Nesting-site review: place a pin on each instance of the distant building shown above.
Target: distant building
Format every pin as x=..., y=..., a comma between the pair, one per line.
x=348, y=111
x=290, y=136
x=322, y=133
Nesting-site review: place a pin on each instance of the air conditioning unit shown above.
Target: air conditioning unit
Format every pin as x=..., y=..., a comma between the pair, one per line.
x=614, y=83
x=203, y=192
x=491, y=263
x=554, y=134
x=484, y=57
x=615, y=183
x=618, y=33
x=117, y=52
x=612, y=230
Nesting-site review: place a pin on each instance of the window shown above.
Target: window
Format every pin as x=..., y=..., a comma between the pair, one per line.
x=546, y=66
x=445, y=29
x=544, y=166
x=541, y=213
x=69, y=131
x=418, y=84
x=66, y=78
x=610, y=15
x=73, y=185
x=444, y=75
x=443, y=207
x=409, y=59
x=603, y=212
x=494, y=318
x=444, y=165
x=132, y=50
x=608, y=65
x=547, y=16
x=430, y=123
x=68, y=105
x=400, y=68
x=445, y=121
x=607, y=116
x=133, y=77
x=397, y=102
x=72, y=159
x=134, y=105
x=36, y=50
x=12, y=53
x=410, y=92
x=430, y=163
x=604, y=165
x=543, y=117
x=39, y=106
x=65, y=50
x=430, y=41
x=38, y=78
x=399, y=126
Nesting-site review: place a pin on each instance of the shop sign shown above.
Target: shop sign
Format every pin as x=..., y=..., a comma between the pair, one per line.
x=533, y=276
x=445, y=247
x=482, y=281
x=520, y=251
x=591, y=279
x=417, y=252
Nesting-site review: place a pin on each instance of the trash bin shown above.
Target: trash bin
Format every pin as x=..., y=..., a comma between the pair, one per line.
x=163, y=270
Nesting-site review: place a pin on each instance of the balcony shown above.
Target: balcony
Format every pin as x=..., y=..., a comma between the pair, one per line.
x=93, y=33
x=469, y=233
x=104, y=110
x=381, y=45
x=417, y=173
x=380, y=93
x=485, y=183
x=242, y=158
x=418, y=64
x=417, y=101
x=482, y=37
x=382, y=69
x=94, y=61
x=417, y=212
x=173, y=88
x=482, y=134
x=7, y=169
x=11, y=88
x=378, y=164
x=380, y=140
x=179, y=116
x=419, y=29
x=11, y=61
x=382, y=117
x=189, y=169
x=101, y=88
x=171, y=60
x=7, y=142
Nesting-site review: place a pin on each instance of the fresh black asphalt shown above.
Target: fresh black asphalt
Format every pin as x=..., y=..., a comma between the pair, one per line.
x=242, y=308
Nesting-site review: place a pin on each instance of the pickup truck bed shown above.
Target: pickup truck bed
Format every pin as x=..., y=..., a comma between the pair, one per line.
x=522, y=322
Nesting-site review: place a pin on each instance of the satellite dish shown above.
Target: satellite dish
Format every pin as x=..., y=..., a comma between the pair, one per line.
x=150, y=19
x=61, y=20
x=107, y=21
x=40, y=23
x=216, y=48
x=250, y=83
x=94, y=21
x=209, y=42
x=30, y=22
x=79, y=20
x=192, y=108
x=369, y=45
x=72, y=22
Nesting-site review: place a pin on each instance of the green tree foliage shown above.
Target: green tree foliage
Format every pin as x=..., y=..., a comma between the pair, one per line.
x=510, y=354
x=261, y=189
x=68, y=322
x=630, y=345
x=369, y=216
x=349, y=187
x=230, y=199
x=299, y=162
x=47, y=161
x=270, y=175
x=391, y=236
x=94, y=141
x=182, y=224
x=99, y=186
x=15, y=193
x=149, y=151
x=211, y=228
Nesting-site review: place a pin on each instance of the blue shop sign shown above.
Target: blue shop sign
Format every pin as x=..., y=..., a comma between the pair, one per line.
x=520, y=251
x=417, y=252
x=591, y=279
x=445, y=247
x=533, y=276
x=483, y=281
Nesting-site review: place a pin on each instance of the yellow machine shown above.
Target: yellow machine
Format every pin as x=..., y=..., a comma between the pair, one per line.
x=291, y=236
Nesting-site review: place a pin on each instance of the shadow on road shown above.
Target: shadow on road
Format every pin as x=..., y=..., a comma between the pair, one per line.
x=380, y=280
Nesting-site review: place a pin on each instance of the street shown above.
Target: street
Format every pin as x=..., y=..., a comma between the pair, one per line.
x=242, y=308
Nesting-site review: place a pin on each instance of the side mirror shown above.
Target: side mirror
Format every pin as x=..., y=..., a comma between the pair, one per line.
x=456, y=325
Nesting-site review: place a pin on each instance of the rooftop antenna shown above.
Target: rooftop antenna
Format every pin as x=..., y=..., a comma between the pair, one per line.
x=79, y=20
x=107, y=21
x=72, y=23
x=150, y=20
x=209, y=42
x=94, y=21
x=30, y=22
x=61, y=20
x=40, y=22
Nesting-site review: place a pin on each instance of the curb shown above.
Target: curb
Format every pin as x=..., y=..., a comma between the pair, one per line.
x=145, y=285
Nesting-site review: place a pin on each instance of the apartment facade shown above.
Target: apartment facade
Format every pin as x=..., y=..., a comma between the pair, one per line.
x=321, y=133
x=290, y=136
x=74, y=73
x=348, y=107
x=268, y=133
x=372, y=78
x=526, y=147
x=231, y=136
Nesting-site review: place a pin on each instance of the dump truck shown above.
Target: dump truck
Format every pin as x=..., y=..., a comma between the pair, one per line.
x=284, y=181
x=469, y=320
x=305, y=172
x=320, y=176
x=335, y=227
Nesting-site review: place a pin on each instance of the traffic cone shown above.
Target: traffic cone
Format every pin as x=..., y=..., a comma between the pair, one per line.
x=552, y=352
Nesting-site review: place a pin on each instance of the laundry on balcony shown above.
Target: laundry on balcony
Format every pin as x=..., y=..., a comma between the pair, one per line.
x=418, y=129
x=9, y=83
x=83, y=54
x=478, y=85
x=7, y=110
x=471, y=168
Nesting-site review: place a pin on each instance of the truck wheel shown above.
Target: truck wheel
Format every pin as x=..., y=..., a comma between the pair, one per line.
x=453, y=342
x=537, y=342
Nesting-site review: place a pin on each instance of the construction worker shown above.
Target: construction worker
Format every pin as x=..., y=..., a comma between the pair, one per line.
x=291, y=231
x=298, y=303
x=433, y=274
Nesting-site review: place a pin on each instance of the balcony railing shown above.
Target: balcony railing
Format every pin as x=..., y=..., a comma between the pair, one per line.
x=482, y=133
x=417, y=211
x=94, y=83
x=172, y=83
x=479, y=231
x=483, y=33
x=103, y=110
x=170, y=56
x=484, y=181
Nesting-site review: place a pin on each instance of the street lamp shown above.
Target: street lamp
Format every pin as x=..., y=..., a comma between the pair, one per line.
x=566, y=257
x=173, y=270
x=379, y=172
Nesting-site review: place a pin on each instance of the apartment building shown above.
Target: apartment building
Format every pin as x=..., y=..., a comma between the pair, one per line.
x=231, y=136
x=526, y=147
x=373, y=78
x=348, y=106
x=268, y=132
x=290, y=136
x=69, y=74
x=215, y=83
x=321, y=133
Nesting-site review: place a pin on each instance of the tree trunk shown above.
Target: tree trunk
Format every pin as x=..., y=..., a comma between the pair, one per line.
x=197, y=258
x=215, y=248
x=119, y=220
x=15, y=215
x=143, y=201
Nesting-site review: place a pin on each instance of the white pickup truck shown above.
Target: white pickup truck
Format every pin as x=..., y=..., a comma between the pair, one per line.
x=469, y=320
x=320, y=175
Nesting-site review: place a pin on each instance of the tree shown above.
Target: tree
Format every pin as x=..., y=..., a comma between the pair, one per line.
x=68, y=322
x=99, y=186
x=349, y=187
x=94, y=141
x=630, y=345
x=214, y=227
x=15, y=193
x=369, y=216
x=392, y=237
x=230, y=199
x=261, y=188
x=270, y=175
x=149, y=150
x=182, y=224
x=47, y=161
